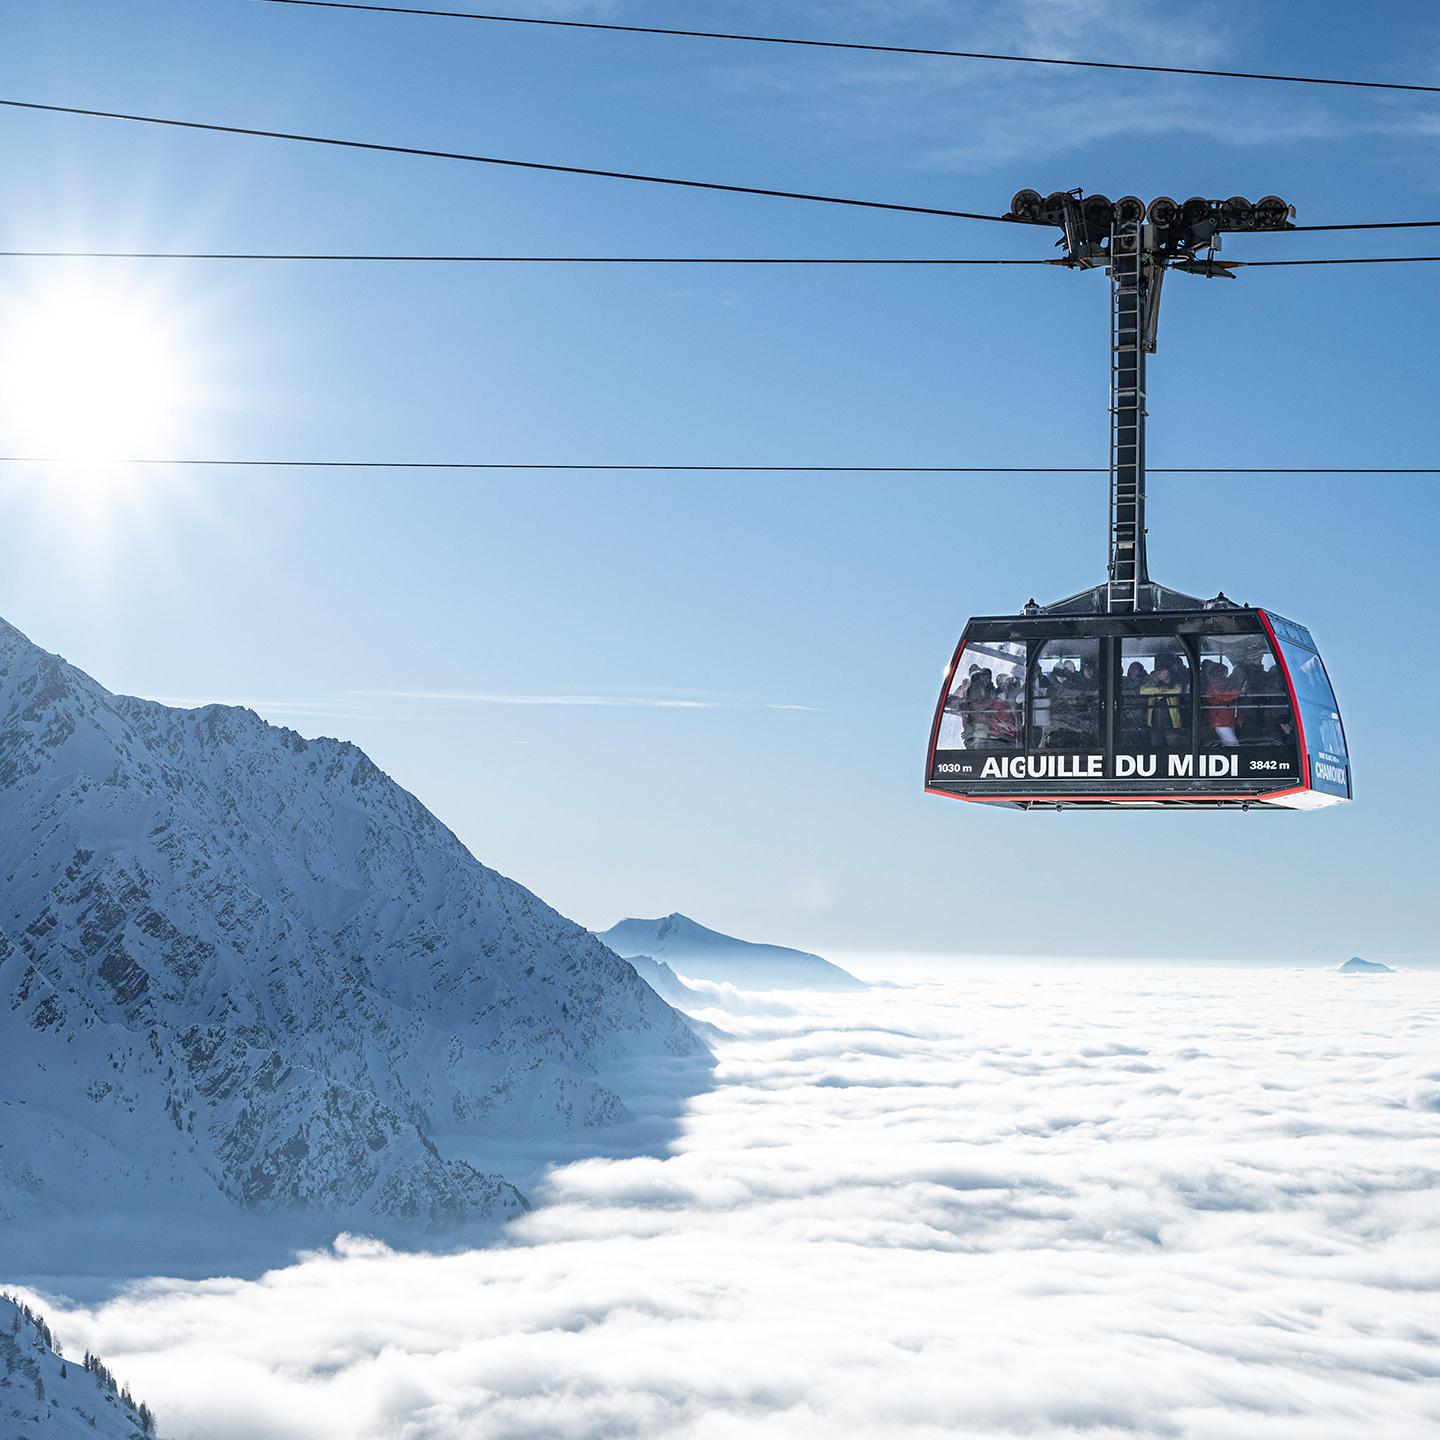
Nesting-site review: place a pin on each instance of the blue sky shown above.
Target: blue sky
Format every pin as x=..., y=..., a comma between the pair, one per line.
x=803, y=620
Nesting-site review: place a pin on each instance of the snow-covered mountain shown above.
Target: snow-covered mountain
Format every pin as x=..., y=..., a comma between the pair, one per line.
x=708, y=955
x=236, y=961
x=666, y=983
x=1356, y=966
x=46, y=1397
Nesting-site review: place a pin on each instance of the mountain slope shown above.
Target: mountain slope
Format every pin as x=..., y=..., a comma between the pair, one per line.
x=234, y=960
x=44, y=1397
x=1356, y=966
x=708, y=955
x=666, y=983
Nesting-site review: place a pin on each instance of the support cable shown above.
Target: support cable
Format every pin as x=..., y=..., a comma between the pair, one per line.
x=1346, y=260
x=818, y=260
x=426, y=153
x=499, y=259
x=723, y=469
x=414, y=10
x=423, y=152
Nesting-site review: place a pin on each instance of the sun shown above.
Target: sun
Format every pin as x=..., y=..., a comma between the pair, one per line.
x=92, y=372
x=97, y=371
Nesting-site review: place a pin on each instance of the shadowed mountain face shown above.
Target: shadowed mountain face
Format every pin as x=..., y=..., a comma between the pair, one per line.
x=705, y=954
x=666, y=983
x=238, y=963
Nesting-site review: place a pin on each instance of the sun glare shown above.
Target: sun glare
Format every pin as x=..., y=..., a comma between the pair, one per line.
x=94, y=371
x=91, y=373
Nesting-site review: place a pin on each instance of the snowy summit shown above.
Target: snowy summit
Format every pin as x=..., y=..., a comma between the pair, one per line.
x=704, y=954
x=1356, y=966
x=243, y=967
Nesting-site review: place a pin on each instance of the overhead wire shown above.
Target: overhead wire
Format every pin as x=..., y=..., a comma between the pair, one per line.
x=1345, y=260
x=718, y=469
x=1357, y=225
x=796, y=260
x=431, y=153
x=815, y=44
x=505, y=259
x=424, y=152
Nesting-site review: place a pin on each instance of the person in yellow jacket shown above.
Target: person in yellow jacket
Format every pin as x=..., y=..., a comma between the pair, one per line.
x=1162, y=707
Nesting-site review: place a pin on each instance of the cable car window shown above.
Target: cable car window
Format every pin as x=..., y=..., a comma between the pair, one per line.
x=1243, y=695
x=1065, y=695
x=1154, y=695
x=985, y=709
x=1319, y=711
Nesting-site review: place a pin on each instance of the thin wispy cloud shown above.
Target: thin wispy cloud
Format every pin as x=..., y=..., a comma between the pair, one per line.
x=615, y=701
x=365, y=704
x=502, y=697
x=978, y=116
x=1014, y=1204
x=322, y=707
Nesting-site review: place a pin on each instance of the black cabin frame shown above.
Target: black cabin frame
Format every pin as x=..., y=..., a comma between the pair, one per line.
x=1284, y=782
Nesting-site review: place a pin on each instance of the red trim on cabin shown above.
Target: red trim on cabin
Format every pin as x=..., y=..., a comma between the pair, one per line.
x=1092, y=799
x=940, y=708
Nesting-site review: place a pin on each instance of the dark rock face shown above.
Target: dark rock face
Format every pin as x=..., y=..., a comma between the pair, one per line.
x=236, y=961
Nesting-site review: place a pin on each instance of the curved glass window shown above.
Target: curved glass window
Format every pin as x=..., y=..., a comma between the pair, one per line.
x=1065, y=696
x=1154, y=695
x=985, y=709
x=1320, y=714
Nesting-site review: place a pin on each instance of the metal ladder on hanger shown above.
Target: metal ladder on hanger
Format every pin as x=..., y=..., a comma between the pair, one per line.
x=1132, y=274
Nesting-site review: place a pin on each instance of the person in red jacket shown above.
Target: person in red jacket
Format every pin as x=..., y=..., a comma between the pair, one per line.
x=1222, y=691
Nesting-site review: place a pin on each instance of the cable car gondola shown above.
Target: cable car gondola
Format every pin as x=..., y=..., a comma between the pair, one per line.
x=1130, y=694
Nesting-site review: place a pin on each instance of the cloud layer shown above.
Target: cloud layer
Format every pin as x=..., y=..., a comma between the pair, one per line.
x=1011, y=1202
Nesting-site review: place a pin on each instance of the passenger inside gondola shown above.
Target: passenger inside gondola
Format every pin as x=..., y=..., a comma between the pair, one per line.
x=1007, y=716
x=1221, y=693
x=978, y=692
x=1162, y=693
x=1244, y=696
x=985, y=707
x=1154, y=697
x=1132, y=707
x=1265, y=689
x=1065, y=696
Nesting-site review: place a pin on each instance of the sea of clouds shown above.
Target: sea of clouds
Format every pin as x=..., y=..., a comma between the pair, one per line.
x=996, y=1202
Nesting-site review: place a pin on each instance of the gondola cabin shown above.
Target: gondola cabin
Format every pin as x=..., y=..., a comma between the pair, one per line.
x=1215, y=708
x=1132, y=695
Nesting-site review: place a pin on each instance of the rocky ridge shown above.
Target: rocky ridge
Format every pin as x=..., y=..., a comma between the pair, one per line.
x=234, y=960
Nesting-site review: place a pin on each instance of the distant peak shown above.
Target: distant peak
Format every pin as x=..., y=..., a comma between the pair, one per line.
x=660, y=923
